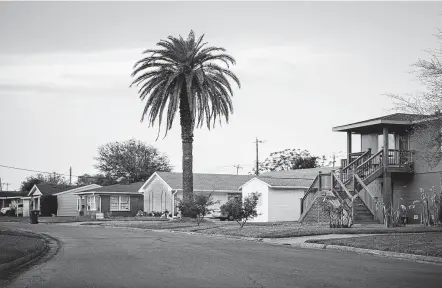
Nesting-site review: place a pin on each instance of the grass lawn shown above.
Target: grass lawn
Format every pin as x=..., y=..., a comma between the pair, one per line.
x=14, y=246
x=428, y=244
x=265, y=230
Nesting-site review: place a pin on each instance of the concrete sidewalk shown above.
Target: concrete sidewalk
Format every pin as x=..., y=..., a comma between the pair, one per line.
x=297, y=241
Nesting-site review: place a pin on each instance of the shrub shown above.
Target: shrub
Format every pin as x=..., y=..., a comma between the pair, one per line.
x=197, y=207
x=242, y=212
x=339, y=211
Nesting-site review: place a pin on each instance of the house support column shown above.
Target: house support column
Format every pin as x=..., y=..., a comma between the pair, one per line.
x=348, y=147
x=387, y=193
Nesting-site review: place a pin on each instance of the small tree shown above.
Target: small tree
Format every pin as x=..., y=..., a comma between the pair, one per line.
x=197, y=207
x=339, y=212
x=242, y=212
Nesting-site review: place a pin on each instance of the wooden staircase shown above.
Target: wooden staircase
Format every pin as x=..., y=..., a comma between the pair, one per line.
x=349, y=185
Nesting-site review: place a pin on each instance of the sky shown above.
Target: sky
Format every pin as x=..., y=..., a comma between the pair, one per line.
x=305, y=67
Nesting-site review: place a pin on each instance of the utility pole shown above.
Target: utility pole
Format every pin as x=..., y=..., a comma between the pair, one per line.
x=257, y=162
x=70, y=175
x=237, y=168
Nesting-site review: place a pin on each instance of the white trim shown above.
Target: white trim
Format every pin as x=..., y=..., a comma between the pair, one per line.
x=33, y=190
x=148, y=181
x=289, y=187
x=173, y=202
x=87, y=203
x=209, y=190
x=119, y=204
x=343, y=128
x=272, y=186
x=240, y=187
x=78, y=204
x=104, y=193
x=13, y=197
x=87, y=187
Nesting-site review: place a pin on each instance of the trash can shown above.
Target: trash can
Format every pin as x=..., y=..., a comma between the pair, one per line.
x=34, y=216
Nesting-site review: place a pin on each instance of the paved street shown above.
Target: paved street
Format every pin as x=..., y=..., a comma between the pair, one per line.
x=107, y=257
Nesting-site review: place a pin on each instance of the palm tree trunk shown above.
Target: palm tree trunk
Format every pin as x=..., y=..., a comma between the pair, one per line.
x=187, y=142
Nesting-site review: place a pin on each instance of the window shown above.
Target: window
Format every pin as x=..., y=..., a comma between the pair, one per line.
x=114, y=203
x=391, y=141
x=91, y=203
x=120, y=203
x=78, y=204
x=124, y=203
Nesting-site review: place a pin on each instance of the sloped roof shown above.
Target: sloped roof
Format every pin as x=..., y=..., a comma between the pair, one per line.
x=50, y=189
x=309, y=173
x=134, y=187
x=287, y=182
x=396, y=118
x=12, y=194
x=206, y=182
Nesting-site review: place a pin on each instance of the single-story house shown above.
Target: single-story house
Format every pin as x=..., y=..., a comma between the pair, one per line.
x=113, y=200
x=280, y=198
x=163, y=190
x=51, y=199
x=11, y=198
x=67, y=200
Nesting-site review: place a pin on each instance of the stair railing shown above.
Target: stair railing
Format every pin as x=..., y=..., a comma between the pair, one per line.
x=346, y=172
x=318, y=184
x=365, y=195
x=369, y=166
x=310, y=193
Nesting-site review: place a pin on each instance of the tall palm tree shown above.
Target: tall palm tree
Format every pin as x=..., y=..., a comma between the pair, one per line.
x=185, y=75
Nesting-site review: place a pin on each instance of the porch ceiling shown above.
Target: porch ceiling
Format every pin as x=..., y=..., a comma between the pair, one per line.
x=373, y=128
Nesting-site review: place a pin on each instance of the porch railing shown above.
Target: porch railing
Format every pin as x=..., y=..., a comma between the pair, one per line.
x=401, y=158
x=347, y=171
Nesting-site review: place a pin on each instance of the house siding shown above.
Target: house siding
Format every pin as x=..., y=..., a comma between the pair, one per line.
x=257, y=185
x=369, y=141
x=136, y=204
x=67, y=204
x=157, y=196
x=284, y=204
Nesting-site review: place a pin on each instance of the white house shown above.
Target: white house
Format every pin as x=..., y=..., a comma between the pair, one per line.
x=280, y=198
x=163, y=189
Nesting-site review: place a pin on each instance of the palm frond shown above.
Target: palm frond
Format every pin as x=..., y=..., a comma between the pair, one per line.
x=185, y=70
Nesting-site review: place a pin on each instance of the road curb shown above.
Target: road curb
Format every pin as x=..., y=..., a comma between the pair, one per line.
x=14, y=264
x=387, y=254
x=311, y=245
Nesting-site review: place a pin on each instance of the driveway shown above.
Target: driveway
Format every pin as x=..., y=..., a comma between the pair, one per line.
x=110, y=257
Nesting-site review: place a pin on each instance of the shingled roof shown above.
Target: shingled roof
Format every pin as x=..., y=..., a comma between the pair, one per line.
x=287, y=182
x=206, y=182
x=134, y=187
x=309, y=173
x=50, y=189
x=12, y=194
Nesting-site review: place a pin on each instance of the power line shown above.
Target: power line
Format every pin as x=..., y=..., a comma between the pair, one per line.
x=45, y=172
